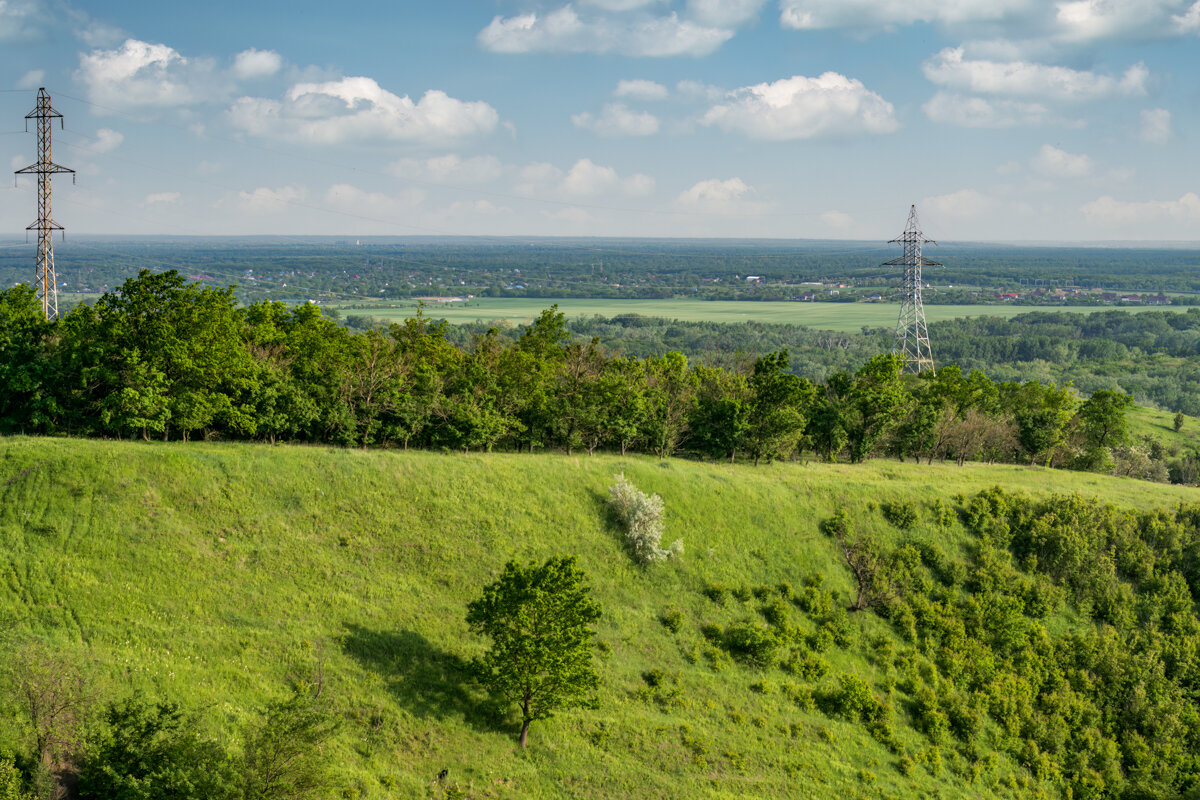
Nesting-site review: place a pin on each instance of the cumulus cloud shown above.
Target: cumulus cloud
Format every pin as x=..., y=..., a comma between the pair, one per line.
x=838, y=220
x=964, y=203
x=140, y=74
x=265, y=200
x=951, y=108
x=162, y=199
x=21, y=20
x=617, y=119
x=1055, y=163
x=1015, y=24
x=1156, y=126
x=639, y=89
x=32, y=79
x=253, y=63
x=1109, y=211
x=359, y=108
x=585, y=178
x=878, y=14
x=106, y=140
x=724, y=12
x=729, y=197
x=448, y=169
x=353, y=201
x=565, y=31
x=803, y=108
x=951, y=68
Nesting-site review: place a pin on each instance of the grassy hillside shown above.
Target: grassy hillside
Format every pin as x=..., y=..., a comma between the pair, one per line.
x=213, y=574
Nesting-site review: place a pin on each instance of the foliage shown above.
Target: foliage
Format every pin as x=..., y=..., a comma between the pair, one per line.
x=642, y=517
x=538, y=619
x=149, y=750
x=285, y=753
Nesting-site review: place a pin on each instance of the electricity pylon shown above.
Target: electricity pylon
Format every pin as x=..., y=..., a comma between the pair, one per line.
x=47, y=285
x=912, y=335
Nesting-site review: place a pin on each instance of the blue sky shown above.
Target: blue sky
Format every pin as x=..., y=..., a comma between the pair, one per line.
x=1005, y=120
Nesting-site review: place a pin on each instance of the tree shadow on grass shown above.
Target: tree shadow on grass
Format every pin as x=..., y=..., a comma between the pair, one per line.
x=426, y=680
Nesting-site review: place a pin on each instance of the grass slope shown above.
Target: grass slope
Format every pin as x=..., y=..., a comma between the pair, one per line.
x=213, y=573
x=844, y=317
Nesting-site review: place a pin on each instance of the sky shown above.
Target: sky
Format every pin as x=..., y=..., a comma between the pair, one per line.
x=1002, y=120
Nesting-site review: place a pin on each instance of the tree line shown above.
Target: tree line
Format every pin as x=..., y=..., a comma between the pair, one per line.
x=164, y=358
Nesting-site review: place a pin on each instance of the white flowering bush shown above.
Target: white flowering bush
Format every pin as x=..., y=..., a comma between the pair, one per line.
x=642, y=517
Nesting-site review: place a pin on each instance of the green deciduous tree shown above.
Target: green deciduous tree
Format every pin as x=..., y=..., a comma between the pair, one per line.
x=150, y=751
x=285, y=757
x=539, y=619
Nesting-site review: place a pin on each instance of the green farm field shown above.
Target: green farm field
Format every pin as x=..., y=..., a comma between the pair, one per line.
x=212, y=574
x=844, y=317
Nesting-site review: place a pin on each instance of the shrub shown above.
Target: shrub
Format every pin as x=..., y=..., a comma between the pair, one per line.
x=717, y=592
x=672, y=619
x=901, y=513
x=751, y=643
x=642, y=517
x=806, y=666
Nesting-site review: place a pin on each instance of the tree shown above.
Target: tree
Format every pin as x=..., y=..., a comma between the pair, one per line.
x=1102, y=419
x=150, y=751
x=539, y=619
x=284, y=755
x=778, y=409
x=1177, y=423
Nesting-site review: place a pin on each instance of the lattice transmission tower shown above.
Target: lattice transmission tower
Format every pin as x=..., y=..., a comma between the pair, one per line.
x=912, y=335
x=47, y=285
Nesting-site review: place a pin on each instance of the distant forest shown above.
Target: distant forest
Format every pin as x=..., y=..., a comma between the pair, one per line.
x=344, y=269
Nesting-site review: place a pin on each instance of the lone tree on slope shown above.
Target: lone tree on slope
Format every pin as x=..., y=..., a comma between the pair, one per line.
x=539, y=619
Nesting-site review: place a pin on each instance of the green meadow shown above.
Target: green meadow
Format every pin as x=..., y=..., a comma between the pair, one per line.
x=845, y=317
x=215, y=574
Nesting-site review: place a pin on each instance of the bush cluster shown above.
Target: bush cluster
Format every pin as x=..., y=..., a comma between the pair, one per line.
x=642, y=517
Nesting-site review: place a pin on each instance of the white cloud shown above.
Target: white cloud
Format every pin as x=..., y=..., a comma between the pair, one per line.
x=617, y=119
x=1156, y=126
x=359, y=108
x=481, y=207
x=564, y=31
x=638, y=185
x=1030, y=79
x=976, y=112
x=449, y=169
x=1055, y=163
x=20, y=20
x=724, y=12
x=1018, y=25
x=162, y=199
x=1188, y=21
x=1108, y=211
x=640, y=89
x=586, y=178
x=265, y=200
x=353, y=201
x=106, y=140
x=621, y=5
x=730, y=197
x=140, y=74
x=33, y=79
x=964, y=203
x=879, y=14
x=838, y=220
x=803, y=108
x=253, y=63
